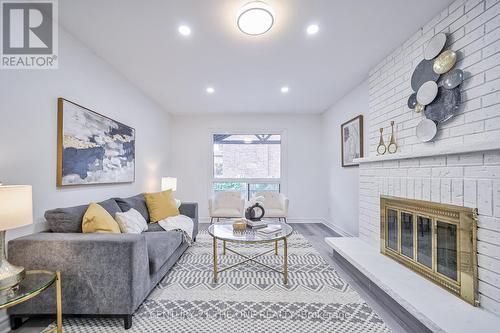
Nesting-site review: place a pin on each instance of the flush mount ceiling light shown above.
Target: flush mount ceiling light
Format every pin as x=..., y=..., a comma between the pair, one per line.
x=284, y=89
x=210, y=90
x=312, y=29
x=255, y=18
x=184, y=30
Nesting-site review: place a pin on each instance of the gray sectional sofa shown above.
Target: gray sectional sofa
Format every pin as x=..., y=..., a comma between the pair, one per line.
x=101, y=274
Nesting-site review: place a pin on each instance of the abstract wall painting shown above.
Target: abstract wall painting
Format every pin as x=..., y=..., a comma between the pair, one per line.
x=92, y=148
x=352, y=141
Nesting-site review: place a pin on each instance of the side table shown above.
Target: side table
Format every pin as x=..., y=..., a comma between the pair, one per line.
x=33, y=284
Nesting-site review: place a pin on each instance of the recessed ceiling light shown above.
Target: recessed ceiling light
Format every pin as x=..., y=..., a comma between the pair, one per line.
x=255, y=18
x=184, y=30
x=210, y=90
x=312, y=29
x=284, y=89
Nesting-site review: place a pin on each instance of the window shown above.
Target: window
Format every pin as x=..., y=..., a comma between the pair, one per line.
x=249, y=163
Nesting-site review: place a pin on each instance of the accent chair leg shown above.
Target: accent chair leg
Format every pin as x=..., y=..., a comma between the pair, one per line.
x=218, y=219
x=211, y=220
x=284, y=219
x=127, y=321
x=15, y=322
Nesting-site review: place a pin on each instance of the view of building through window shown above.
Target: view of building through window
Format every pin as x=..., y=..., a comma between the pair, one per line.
x=248, y=163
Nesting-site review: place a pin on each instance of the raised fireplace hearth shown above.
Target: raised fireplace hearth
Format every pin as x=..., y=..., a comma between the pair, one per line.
x=435, y=240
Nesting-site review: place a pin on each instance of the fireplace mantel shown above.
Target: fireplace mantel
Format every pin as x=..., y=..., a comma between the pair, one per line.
x=433, y=152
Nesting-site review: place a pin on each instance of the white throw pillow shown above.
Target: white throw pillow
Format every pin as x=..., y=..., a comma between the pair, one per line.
x=131, y=222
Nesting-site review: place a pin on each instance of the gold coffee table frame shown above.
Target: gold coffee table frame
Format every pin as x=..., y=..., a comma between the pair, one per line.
x=21, y=296
x=238, y=237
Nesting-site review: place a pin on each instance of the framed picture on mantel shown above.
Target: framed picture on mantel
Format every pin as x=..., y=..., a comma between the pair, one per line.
x=351, y=141
x=92, y=148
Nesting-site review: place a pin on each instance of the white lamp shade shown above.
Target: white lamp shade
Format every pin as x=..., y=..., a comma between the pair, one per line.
x=16, y=206
x=168, y=183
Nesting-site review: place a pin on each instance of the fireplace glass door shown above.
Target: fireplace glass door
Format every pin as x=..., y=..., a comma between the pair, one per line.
x=424, y=241
x=392, y=229
x=433, y=239
x=446, y=254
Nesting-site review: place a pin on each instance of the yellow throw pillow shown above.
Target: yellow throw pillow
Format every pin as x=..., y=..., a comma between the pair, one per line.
x=97, y=219
x=161, y=205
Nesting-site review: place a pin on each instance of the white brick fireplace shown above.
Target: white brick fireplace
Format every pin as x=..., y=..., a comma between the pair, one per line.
x=462, y=166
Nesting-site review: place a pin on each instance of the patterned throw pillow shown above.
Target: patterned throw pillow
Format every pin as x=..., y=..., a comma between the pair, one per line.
x=131, y=222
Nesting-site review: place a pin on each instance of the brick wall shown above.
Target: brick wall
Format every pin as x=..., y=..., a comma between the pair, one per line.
x=473, y=29
x=472, y=179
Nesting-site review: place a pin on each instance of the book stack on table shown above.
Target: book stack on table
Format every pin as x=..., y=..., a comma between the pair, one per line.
x=254, y=225
x=269, y=230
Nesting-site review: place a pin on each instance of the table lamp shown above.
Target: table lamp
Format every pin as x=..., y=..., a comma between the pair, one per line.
x=169, y=183
x=16, y=210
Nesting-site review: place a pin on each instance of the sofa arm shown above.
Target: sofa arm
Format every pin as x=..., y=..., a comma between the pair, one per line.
x=100, y=273
x=191, y=209
x=242, y=207
x=284, y=203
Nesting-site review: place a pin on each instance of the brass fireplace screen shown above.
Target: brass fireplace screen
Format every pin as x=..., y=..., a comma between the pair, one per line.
x=435, y=240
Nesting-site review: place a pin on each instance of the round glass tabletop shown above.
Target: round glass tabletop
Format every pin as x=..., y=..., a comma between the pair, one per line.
x=224, y=231
x=33, y=284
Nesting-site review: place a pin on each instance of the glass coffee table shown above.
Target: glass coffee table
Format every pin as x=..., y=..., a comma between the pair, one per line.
x=33, y=284
x=224, y=232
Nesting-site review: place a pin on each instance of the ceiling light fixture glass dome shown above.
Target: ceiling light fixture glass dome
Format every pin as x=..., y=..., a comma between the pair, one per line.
x=255, y=18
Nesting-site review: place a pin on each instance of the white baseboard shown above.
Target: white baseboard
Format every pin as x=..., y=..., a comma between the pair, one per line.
x=337, y=229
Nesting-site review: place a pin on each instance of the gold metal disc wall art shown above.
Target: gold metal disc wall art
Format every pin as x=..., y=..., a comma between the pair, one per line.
x=444, y=62
x=419, y=108
x=436, y=97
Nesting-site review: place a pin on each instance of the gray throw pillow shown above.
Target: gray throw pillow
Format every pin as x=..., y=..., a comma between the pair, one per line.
x=136, y=202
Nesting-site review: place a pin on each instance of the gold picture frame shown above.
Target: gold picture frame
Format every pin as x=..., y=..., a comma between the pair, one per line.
x=83, y=157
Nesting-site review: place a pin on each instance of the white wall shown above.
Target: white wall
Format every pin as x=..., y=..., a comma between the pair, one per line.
x=303, y=181
x=342, y=182
x=28, y=127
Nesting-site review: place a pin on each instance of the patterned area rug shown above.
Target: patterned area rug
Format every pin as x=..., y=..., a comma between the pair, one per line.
x=249, y=298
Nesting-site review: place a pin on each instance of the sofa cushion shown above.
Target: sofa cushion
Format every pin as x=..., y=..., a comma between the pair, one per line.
x=226, y=212
x=152, y=227
x=160, y=246
x=274, y=212
x=136, y=202
x=70, y=219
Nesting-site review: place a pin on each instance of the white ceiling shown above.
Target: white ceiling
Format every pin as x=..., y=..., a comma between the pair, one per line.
x=140, y=39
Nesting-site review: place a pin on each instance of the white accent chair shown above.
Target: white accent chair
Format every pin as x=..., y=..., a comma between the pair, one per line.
x=275, y=204
x=228, y=204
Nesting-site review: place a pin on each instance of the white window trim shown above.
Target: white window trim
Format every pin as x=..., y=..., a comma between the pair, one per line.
x=283, y=180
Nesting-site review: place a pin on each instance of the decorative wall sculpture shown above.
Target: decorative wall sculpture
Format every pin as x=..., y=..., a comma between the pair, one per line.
x=436, y=87
x=92, y=148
